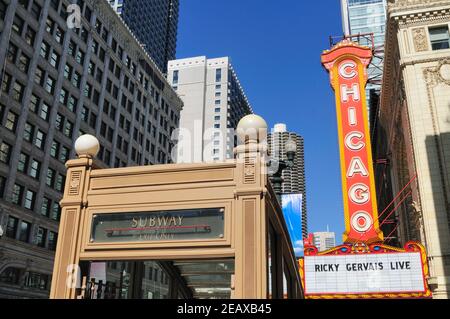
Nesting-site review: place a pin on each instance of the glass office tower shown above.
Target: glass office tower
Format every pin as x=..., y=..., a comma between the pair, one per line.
x=154, y=23
x=367, y=16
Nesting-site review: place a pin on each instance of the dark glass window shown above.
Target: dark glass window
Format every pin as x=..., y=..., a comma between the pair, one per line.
x=30, y=199
x=24, y=231
x=45, y=208
x=41, y=236
x=40, y=139
x=440, y=38
x=11, y=227
x=28, y=132
x=10, y=275
x=52, y=240
x=55, y=213
x=36, y=281
x=5, y=152
x=35, y=169
x=17, y=194
x=22, y=166
x=18, y=24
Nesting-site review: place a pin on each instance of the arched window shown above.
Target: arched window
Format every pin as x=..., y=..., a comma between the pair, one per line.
x=10, y=275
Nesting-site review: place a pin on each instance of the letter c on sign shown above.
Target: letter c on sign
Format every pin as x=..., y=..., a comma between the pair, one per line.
x=343, y=70
x=354, y=146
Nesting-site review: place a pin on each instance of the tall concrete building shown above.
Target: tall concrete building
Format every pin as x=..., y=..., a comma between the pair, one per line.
x=323, y=240
x=155, y=23
x=413, y=132
x=214, y=103
x=56, y=84
x=294, y=180
x=368, y=16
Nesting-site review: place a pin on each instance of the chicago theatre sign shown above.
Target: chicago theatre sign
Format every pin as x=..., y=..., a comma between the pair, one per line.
x=347, y=66
x=363, y=267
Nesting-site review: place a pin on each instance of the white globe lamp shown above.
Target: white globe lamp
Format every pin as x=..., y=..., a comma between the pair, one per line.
x=252, y=128
x=87, y=146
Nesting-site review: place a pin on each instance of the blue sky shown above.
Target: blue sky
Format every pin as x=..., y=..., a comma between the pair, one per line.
x=275, y=47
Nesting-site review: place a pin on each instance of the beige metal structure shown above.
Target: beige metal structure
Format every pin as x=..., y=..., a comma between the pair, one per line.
x=255, y=236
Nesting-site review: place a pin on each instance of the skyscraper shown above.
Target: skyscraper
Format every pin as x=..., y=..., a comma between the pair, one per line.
x=56, y=84
x=214, y=103
x=155, y=23
x=367, y=16
x=294, y=180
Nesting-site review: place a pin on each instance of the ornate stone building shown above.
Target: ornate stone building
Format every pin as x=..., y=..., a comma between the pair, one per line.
x=58, y=83
x=413, y=131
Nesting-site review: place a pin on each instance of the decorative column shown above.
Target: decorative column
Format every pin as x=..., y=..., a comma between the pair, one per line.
x=250, y=224
x=73, y=204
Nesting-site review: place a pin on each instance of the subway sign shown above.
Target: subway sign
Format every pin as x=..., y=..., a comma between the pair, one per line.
x=347, y=64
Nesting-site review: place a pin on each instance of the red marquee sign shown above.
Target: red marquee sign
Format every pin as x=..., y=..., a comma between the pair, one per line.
x=347, y=64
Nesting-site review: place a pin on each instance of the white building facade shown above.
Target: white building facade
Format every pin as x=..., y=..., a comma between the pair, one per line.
x=214, y=102
x=414, y=125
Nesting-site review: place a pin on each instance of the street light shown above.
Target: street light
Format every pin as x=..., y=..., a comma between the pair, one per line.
x=279, y=166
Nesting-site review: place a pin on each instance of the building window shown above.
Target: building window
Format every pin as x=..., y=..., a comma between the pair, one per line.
x=72, y=104
x=35, y=169
x=52, y=239
x=76, y=81
x=11, y=121
x=10, y=275
x=80, y=57
x=24, y=231
x=41, y=236
x=64, y=156
x=440, y=38
x=34, y=103
x=36, y=281
x=22, y=166
x=5, y=153
x=6, y=83
x=50, y=181
x=18, y=24
x=2, y=185
x=28, y=132
x=30, y=35
x=54, y=60
x=24, y=63
x=11, y=227
x=45, y=208
x=45, y=110
x=68, y=71
x=39, y=76
x=54, y=149
x=12, y=53
x=45, y=50
x=40, y=139
x=55, y=213
x=59, y=35
x=218, y=75
x=50, y=85
x=17, y=194
x=30, y=199
x=59, y=186
x=68, y=129
x=175, y=77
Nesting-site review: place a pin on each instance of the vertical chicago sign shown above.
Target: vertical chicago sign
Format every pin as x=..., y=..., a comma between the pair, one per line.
x=362, y=267
x=347, y=64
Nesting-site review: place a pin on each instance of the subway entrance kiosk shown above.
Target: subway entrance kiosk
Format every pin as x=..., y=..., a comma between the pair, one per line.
x=213, y=230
